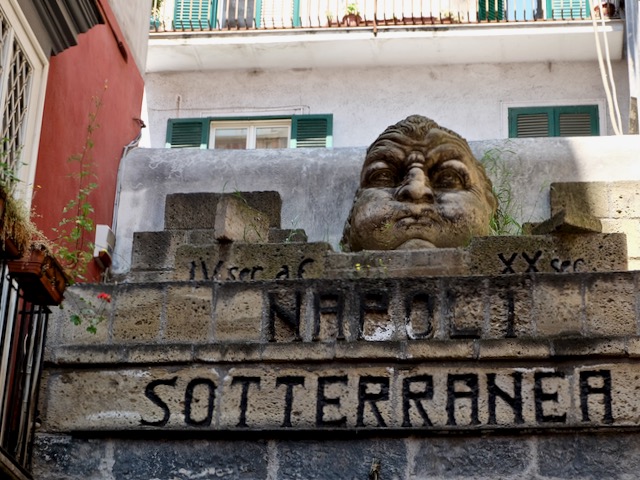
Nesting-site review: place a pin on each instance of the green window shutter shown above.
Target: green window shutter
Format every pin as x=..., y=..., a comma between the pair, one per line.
x=570, y=121
x=530, y=122
x=568, y=9
x=194, y=14
x=491, y=10
x=188, y=133
x=271, y=14
x=579, y=121
x=311, y=131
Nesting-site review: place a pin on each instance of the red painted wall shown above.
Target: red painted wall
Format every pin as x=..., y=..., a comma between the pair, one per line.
x=76, y=77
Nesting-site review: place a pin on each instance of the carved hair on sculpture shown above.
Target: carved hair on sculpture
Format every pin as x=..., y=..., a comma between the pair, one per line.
x=420, y=187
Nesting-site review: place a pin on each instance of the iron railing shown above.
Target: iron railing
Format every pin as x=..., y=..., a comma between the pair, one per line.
x=22, y=337
x=229, y=15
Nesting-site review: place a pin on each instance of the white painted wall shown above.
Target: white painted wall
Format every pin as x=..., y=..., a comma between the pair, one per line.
x=471, y=98
x=133, y=19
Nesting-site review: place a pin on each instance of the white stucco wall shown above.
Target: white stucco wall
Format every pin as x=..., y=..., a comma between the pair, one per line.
x=472, y=98
x=133, y=19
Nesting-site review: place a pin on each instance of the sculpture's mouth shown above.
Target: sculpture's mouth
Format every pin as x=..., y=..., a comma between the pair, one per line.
x=418, y=216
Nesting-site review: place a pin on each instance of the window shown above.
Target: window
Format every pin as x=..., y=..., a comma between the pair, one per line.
x=22, y=87
x=569, y=121
x=207, y=14
x=297, y=131
x=250, y=135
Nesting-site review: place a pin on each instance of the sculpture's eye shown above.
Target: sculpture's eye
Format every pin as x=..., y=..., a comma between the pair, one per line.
x=448, y=178
x=383, y=177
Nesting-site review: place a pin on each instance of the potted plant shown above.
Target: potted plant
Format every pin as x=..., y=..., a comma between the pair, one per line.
x=40, y=276
x=352, y=18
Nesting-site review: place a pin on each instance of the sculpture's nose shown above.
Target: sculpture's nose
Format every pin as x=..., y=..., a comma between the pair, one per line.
x=415, y=188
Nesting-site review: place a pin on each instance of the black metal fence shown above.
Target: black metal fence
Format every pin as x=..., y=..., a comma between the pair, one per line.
x=22, y=336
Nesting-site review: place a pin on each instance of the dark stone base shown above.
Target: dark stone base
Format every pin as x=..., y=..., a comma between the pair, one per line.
x=575, y=456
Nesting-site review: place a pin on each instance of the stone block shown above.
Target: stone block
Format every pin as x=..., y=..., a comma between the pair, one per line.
x=236, y=221
x=468, y=457
x=150, y=354
x=440, y=349
x=155, y=250
x=510, y=303
x=589, y=347
x=593, y=456
x=624, y=198
x=188, y=314
x=341, y=459
x=138, y=310
x=563, y=253
x=277, y=235
x=463, y=308
x=63, y=457
x=510, y=348
x=394, y=264
x=84, y=301
x=186, y=211
x=582, y=197
x=610, y=304
x=246, y=262
x=630, y=228
x=81, y=354
x=558, y=305
x=567, y=221
x=238, y=316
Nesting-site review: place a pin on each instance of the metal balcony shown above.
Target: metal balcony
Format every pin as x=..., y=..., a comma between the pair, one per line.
x=234, y=15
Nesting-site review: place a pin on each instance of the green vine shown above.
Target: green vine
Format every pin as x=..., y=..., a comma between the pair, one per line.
x=77, y=221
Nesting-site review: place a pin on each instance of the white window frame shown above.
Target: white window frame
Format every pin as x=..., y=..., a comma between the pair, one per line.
x=22, y=32
x=251, y=126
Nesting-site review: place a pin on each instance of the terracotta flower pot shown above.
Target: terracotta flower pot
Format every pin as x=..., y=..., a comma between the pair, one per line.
x=40, y=276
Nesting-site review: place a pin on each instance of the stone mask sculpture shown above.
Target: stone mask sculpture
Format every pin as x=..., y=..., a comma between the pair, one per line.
x=420, y=187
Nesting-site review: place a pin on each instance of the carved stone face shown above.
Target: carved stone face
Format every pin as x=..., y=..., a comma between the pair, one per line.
x=420, y=187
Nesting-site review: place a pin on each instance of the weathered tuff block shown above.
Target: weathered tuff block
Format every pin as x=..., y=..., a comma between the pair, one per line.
x=549, y=253
x=280, y=396
x=242, y=261
x=236, y=221
x=197, y=210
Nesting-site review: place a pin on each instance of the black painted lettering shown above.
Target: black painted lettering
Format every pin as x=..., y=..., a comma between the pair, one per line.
x=419, y=308
x=218, y=269
x=188, y=402
x=511, y=316
x=205, y=273
x=244, y=398
x=283, y=274
x=365, y=396
x=290, y=382
x=192, y=271
x=291, y=318
x=508, y=263
x=245, y=273
x=231, y=273
x=531, y=262
x=514, y=401
x=587, y=389
x=324, y=401
x=328, y=303
x=470, y=380
x=304, y=263
x=540, y=396
x=255, y=270
x=151, y=394
x=372, y=303
x=577, y=263
x=409, y=395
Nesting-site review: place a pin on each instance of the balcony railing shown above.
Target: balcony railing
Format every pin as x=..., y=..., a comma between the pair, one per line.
x=22, y=336
x=230, y=15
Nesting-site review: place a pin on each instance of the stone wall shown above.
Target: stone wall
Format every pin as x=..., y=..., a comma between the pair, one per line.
x=476, y=363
